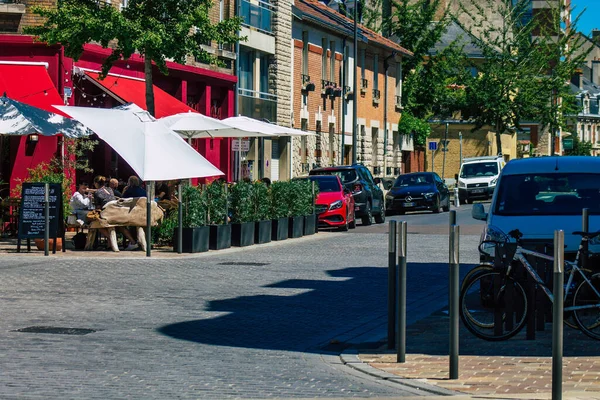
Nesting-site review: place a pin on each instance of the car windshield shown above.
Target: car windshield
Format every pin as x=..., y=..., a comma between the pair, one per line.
x=475, y=170
x=412, y=180
x=346, y=175
x=327, y=185
x=548, y=194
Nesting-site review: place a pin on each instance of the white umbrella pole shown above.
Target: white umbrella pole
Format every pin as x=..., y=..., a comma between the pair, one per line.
x=149, y=191
x=180, y=222
x=240, y=160
x=190, y=143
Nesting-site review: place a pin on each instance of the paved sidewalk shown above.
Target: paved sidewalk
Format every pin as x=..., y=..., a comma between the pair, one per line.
x=516, y=368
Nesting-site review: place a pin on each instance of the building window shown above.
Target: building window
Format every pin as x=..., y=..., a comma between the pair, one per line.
x=305, y=52
x=398, y=84
x=332, y=61
x=246, y=69
x=376, y=72
x=124, y=4
x=362, y=63
x=332, y=146
x=264, y=73
x=324, y=59
x=374, y=144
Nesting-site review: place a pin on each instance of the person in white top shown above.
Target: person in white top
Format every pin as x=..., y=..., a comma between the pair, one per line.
x=81, y=203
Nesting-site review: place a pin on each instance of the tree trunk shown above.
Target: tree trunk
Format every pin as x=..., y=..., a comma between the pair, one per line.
x=149, y=86
x=498, y=139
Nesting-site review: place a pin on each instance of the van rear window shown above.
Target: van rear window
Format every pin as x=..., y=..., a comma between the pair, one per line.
x=548, y=194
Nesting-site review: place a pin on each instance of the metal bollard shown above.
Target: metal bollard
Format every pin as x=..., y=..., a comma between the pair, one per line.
x=456, y=199
x=585, y=226
x=452, y=218
x=453, y=300
x=401, y=309
x=557, y=322
x=391, y=286
x=47, y=220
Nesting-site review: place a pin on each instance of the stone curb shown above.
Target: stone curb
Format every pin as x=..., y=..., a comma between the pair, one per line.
x=350, y=358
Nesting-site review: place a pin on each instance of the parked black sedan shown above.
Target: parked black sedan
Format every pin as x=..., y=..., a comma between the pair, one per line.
x=418, y=191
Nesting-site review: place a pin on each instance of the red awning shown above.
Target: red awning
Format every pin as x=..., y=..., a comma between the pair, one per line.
x=132, y=90
x=30, y=84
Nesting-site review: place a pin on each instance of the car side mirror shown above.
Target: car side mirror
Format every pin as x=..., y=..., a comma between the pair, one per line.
x=478, y=212
x=388, y=186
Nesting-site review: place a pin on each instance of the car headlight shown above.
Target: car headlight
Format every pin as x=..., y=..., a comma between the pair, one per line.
x=335, y=205
x=461, y=184
x=429, y=195
x=492, y=234
x=493, y=182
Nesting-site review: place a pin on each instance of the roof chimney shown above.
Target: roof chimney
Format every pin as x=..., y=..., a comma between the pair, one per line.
x=577, y=79
x=596, y=36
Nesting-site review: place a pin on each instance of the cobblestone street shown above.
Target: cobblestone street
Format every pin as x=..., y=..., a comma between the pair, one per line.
x=248, y=323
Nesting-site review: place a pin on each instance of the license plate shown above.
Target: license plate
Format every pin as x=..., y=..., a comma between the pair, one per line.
x=409, y=204
x=477, y=191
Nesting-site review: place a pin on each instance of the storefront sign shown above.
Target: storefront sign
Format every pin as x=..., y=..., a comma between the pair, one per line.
x=235, y=145
x=31, y=214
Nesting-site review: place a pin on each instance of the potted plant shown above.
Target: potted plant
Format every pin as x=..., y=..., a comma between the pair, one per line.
x=280, y=212
x=262, y=213
x=307, y=197
x=195, y=232
x=242, y=215
x=297, y=207
x=216, y=207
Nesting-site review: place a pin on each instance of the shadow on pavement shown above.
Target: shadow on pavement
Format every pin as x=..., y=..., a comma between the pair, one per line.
x=323, y=310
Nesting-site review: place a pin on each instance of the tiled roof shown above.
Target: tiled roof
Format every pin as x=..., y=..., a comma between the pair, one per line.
x=338, y=22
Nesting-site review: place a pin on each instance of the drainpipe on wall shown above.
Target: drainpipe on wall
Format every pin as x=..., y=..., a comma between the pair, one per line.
x=238, y=175
x=344, y=60
x=386, y=65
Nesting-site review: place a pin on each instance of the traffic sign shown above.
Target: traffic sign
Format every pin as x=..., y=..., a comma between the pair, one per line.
x=568, y=143
x=433, y=146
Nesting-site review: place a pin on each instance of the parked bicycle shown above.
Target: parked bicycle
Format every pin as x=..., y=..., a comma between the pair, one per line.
x=494, y=303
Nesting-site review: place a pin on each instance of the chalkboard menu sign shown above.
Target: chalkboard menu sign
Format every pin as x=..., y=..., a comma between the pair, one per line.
x=31, y=216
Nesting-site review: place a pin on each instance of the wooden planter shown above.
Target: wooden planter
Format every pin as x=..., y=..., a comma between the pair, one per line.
x=279, y=229
x=310, y=224
x=194, y=240
x=262, y=232
x=296, y=227
x=242, y=235
x=39, y=243
x=220, y=237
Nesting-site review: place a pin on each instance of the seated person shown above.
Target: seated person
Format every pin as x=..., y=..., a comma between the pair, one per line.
x=163, y=191
x=103, y=195
x=133, y=188
x=114, y=185
x=81, y=203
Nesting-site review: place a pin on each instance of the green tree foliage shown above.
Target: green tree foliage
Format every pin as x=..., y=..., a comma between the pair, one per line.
x=194, y=206
x=580, y=148
x=260, y=202
x=241, y=206
x=418, y=128
x=216, y=202
x=525, y=66
x=157, y=29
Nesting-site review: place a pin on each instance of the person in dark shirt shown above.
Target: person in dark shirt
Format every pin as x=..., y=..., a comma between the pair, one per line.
x=133, y=188
x=163, y=191
x=103, y=194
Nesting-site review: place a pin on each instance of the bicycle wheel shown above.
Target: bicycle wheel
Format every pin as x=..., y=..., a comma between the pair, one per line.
x=473, y=272
x=586, y=303
x=568, y=317
x=491, y=296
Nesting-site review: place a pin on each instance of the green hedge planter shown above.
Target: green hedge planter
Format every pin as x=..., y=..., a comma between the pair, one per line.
x=220, y=237
x=262, y=232
x=242, y=234
x=194, y=240
x=296, y=227
x=310, y=224
x=279, y=228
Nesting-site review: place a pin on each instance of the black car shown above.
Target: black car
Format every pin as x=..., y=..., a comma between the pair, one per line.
x=418, y=191
x=368, y=197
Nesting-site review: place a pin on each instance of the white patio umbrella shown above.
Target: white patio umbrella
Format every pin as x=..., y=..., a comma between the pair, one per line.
x=251, y=124
x=195, y=125
x=153, y=150
x=17, y=118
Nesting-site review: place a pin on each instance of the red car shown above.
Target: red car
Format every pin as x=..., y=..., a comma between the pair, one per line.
x=334, y=204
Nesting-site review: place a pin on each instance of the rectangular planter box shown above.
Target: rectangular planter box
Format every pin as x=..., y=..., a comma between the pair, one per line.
x=262, y=232
x=194, y=240
x=279, y=229
x=296, y=228
x=220, y=237
x=310, y=224
x=242, y=235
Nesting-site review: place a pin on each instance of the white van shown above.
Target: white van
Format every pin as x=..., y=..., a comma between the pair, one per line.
x=540, y=195
x=478, y=176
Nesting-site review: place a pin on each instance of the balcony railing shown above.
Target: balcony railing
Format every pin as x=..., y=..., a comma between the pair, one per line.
x=258, y=105
x=257, y=15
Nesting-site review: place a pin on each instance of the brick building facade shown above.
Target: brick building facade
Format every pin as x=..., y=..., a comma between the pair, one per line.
x=322, y=92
